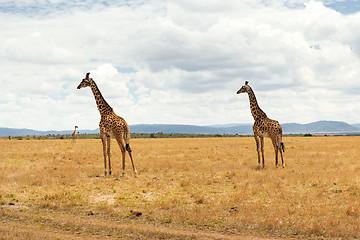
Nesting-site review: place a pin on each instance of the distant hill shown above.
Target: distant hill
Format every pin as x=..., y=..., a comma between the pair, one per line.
x=31, y=132
x=191, y=129
x=173, y=128
x=320, y=127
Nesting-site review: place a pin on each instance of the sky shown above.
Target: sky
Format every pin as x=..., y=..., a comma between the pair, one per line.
x=178, y=61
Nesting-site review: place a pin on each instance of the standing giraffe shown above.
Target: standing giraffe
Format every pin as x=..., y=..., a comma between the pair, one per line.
x=73, y=135
x=110, y=124
x=264, y=127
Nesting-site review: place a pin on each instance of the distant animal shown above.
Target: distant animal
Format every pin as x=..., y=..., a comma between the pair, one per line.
x=264, y=127
x=136, y=213
x=73, y=135
x=110, y=124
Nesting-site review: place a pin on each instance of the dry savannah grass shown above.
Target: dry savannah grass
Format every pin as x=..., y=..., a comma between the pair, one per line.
x=186, y=189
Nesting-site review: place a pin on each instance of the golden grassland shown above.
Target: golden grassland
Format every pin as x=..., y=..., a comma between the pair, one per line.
x=187, y=189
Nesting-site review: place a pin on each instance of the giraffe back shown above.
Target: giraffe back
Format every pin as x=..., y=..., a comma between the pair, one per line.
x=267, y=127
x=116, y=125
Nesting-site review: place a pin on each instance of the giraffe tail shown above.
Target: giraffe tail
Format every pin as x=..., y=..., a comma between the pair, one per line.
x=127, y=140
x=282, y=146
x=128, y=147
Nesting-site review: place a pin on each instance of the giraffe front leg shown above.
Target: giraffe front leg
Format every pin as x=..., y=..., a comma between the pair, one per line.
x=262, y=151
x=257, y=149
x=103, y=140
x=108, y=140
x=276, y=157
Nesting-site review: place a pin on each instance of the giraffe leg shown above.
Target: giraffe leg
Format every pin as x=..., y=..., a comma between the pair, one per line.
x=103, y=140
x=123, y=159
x=282, y=148
x=130, y=154
x=276, y=156
x=257, y=148
x=122, y=148
x=262, y=151
x=128, y=149
x=108, y=141
x=276, y=148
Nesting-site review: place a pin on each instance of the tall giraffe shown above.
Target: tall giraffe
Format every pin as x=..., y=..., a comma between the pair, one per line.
x=110, y=124
x=73, y=135
x=264, y=127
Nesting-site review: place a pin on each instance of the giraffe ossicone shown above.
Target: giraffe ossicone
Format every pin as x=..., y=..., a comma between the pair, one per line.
x=264, y=127
x=110, y=125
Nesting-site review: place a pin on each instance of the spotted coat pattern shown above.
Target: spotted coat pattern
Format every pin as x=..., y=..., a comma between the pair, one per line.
x=264, y=127
x=110, y=125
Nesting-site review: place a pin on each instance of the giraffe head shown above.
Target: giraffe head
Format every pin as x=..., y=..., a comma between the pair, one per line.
x=244, y=88
x=76, y=127
x=86, y=82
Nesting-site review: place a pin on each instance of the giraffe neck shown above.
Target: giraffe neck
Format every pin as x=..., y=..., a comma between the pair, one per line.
x=103, y=106
x=74, y=132
x=256, y=112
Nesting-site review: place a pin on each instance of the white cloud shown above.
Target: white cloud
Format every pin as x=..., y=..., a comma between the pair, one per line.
x=177, y=62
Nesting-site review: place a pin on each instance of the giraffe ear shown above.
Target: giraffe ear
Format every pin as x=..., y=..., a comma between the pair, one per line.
x=246, y=82
x=87, y=75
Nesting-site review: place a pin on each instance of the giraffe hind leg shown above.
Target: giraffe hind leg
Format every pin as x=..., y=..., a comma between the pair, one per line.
x=122, y=148
x=282, y=149
x=128, y=148
x=131, y=158
x=276, y=149
x=123, y=159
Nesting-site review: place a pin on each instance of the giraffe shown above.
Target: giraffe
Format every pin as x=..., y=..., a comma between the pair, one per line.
x=264, y=127
x=73, y=135
x=110, y=124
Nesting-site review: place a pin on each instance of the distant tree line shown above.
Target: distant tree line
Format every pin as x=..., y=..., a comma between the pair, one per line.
x=133, y=135
x=146, y=135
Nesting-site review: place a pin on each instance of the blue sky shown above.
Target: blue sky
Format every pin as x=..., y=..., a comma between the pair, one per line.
x=345, y=7
x=36, y=8
x=178, y=61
